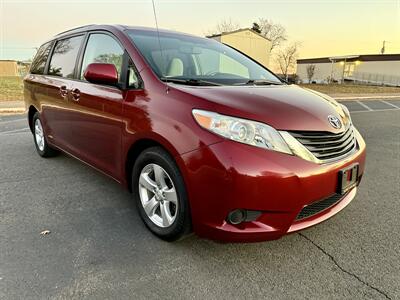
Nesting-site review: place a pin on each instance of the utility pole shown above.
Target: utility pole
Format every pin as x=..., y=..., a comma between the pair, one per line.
x=344, y=66
x=383, y=47
x=330, y=77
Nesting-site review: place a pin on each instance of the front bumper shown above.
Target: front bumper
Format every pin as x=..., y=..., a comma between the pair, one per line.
x=229, y=175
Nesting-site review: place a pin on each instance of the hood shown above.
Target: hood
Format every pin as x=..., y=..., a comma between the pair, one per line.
x=284, y=107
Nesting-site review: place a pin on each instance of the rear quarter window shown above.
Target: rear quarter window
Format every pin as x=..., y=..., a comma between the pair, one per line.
x=39, y=62
x=64, y=57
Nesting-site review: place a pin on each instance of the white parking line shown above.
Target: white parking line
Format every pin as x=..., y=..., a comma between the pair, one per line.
x=372, y=110
x=391, y=104
x=363, y=105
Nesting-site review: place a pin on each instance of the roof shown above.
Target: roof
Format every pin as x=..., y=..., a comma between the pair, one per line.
x=86, y=28
x=361, y=57
x=238, y=30
x=117, y=27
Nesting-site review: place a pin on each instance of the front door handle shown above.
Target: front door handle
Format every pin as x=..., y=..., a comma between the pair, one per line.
x=63, y=91
x=76, y=93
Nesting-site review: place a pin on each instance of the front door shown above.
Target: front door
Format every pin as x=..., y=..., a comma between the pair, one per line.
x=95, y=121
x=95, y=125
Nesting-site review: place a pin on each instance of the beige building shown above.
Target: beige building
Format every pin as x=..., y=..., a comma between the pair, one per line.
x=369, y=69
x=8, y=68
x=249, y=42
x=13, y=68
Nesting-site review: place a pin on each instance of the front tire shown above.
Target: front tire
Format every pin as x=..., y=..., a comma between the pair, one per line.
x=160, y=194
x=39, y=137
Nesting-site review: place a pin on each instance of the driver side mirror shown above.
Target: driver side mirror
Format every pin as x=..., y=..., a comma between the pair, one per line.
x=101, y=73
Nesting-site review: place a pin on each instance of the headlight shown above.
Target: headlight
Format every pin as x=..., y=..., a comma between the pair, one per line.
x=346, y=112
x=242, y=131
x=297, y=148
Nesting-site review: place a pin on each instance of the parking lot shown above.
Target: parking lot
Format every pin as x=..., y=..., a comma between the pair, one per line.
x=98, y=247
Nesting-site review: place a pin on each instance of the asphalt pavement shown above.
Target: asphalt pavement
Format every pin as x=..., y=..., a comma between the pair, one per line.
x=98, y=248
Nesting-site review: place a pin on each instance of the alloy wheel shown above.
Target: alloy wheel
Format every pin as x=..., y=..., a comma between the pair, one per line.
x=158, y=195
x=39, y=135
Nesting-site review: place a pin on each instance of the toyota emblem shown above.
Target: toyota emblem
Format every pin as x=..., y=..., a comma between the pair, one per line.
x=335, y=122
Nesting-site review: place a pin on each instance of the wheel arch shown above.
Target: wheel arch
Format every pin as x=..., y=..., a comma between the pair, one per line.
x=138, y=146
x=31, y=112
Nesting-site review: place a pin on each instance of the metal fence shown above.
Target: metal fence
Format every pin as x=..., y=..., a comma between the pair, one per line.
x=373, y=79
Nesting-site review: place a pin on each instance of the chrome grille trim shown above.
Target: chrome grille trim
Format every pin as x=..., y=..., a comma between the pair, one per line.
x=327, y=146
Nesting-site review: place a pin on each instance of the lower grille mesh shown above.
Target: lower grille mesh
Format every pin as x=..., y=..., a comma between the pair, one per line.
x=317, y=207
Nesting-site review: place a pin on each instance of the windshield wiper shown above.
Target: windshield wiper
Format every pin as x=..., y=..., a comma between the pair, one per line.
x=189, y=81
x=259, y=82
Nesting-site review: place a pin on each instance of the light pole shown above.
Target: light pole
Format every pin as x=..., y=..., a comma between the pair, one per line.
x=383, y=47
x=330, y=78
x=344, y=65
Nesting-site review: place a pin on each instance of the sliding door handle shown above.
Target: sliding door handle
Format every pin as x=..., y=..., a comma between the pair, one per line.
x=76, y=93
x=63, y=91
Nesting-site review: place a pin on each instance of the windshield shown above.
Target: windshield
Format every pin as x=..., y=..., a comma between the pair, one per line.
x=189, y=59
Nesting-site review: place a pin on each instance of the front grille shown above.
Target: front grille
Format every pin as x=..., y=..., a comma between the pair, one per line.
x=327, y=146
x=317, y=207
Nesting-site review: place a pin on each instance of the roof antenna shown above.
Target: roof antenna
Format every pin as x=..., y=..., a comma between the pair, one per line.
x=159, y=44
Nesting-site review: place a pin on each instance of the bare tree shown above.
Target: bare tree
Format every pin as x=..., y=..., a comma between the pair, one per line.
x=310, y=72
x=256, y=28
x=225, y=25
x=286, y=58
x=275, y=32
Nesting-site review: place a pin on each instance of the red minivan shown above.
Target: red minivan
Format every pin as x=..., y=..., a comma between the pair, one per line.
x=205, y=138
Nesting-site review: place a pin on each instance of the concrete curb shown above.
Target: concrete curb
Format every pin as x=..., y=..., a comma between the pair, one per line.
x=11, y=111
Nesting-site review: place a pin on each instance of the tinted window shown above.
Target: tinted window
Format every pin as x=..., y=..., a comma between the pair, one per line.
x=133, y=80
x=189, y=57
x=40, y=59
x=210, y=61
x=63, y=60
x=102, y=48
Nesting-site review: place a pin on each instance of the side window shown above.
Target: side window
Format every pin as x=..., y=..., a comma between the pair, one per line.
x=102, y=48
x=39, y=62
x=133, y=80
x=63, y=60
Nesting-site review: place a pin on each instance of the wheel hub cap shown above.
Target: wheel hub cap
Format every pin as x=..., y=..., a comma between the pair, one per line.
x=158, y=195
x=39, y=135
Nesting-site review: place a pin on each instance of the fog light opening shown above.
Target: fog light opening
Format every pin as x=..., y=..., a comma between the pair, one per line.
x=237, y=216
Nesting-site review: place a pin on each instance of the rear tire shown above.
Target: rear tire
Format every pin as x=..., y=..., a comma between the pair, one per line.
x=160, y=194
x=39, y=138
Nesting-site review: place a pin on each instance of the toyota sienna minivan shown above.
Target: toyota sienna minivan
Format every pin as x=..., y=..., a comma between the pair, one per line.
x=206, y=139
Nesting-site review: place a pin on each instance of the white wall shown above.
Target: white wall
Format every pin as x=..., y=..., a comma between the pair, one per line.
x=380, y=67
x=321, y=73
x=250, y=43
x=389, y=69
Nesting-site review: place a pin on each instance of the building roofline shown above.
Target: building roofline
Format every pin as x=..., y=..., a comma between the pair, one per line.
x=361, y=57
x=235, y=31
